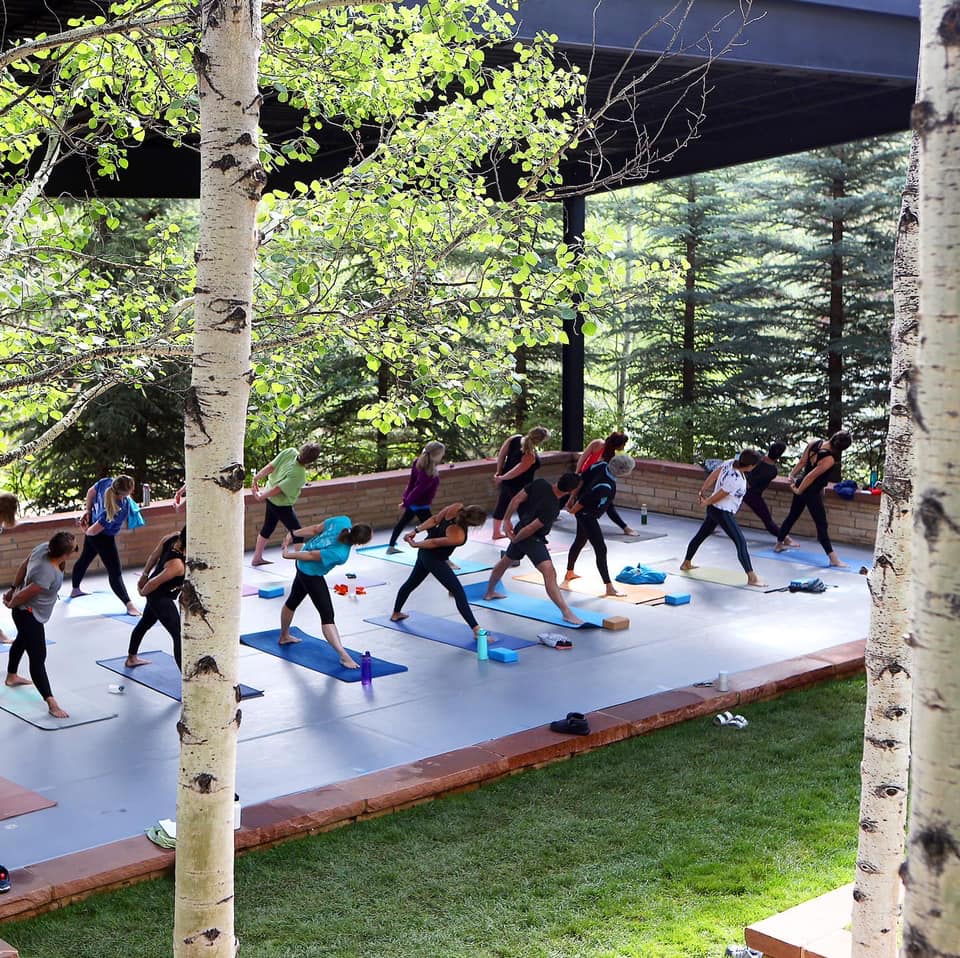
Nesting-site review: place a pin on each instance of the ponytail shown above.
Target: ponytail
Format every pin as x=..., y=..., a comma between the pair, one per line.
x=613, y=444
x=431, y=454
x=111, y=505
x=533, y=439
x=356, y=535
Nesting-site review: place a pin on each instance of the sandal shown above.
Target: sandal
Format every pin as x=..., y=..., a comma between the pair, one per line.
x=724, y=718
x=4, y=880
x=573, y=724
x=554, y=640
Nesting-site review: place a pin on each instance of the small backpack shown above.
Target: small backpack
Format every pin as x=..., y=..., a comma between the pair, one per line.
x=641, y=575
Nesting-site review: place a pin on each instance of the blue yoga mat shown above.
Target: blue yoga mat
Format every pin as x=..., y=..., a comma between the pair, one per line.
x=408, y=557
x=91, y=604
x=161, y=675
x=800, y=557
x=316, y=654
x=447, y=631
x=126, y=617
x=543, y=610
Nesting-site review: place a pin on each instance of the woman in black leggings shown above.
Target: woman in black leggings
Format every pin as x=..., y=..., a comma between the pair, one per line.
x=161, y=582
x=328, y=545
x=446, y=531
x=32, y=598
x=810, y=476
x=517, y=464
x=729, y=488
x=107, y=508
x=589, y=503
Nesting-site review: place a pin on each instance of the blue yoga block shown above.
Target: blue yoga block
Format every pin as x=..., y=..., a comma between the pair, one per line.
x=270, y=591
x=503, y=655
x=680, y=598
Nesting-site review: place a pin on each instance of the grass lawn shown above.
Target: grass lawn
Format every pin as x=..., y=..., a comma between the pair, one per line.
x=663, y=846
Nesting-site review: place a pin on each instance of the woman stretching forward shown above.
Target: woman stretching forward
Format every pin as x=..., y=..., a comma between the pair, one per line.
x=517, y=464
x=161, y=582
x=32, y=598
x=328, y=545
x=604, y=450
x=107, y=508
x=810, y=476
x=730, y=486
x=446, y=531
x=421, y=488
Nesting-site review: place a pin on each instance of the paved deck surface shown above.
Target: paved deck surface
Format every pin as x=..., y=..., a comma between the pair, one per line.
x=113, y=778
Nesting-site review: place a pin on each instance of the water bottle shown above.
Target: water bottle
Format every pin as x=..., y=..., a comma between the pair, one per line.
x=874, y=478
x=146, y=494
x=366, y=669
x=643, y=514
x=482, y=644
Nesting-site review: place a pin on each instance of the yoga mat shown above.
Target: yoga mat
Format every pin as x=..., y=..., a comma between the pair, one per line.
x=408, y=557
x=641, y=536
x=15, y=800
x=447, y=631
x=24, y=701
x=316, y=654
x=249, y=589
x=125, y=617
x=92, y=604
x=800, y=557
x=734, y=577
x=161, y=675
x=483, y=537
x=543, y=610
x=593, y=585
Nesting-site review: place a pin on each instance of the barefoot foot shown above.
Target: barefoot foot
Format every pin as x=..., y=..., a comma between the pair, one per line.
x=494, y=595
x=54, y=709
x=289, y=640
x=74, y=593
x=132, y=609
x=256, y=562
x=12, y=681
x=570, y=576
x=687, y=566
x=780, y=547
x=755, y=580
x=572, y=619
x=630, y=531
x=613, y=591
x=348, y=663
x=5, y=639
x=790, y=542
x=132, y=661
x=399, y=616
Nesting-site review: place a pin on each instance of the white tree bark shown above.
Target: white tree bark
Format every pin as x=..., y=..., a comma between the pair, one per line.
x=884, y=771
x=931, y=923
x=230, y=185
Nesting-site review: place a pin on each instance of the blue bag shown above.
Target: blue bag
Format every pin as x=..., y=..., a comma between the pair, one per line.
x=641, y=575
x=846, y=489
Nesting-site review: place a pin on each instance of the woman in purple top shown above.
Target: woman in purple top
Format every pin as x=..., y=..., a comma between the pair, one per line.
x=421, y=488
x=107, y=508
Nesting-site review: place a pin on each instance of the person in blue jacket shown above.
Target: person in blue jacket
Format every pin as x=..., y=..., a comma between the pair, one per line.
x=107, y=508
x=327, y=545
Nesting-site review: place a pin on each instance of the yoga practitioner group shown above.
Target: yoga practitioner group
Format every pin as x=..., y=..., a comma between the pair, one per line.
x=587, y=494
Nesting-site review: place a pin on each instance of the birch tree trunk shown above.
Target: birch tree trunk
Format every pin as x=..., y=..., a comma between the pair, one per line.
x=884, y=770
x=231, y=180
x=931, y=924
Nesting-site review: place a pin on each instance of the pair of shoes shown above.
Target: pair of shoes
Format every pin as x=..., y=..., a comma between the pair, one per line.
x=742, y=951
x=393, y=550
x=573, y=724
x=4, y=880
x=554, y=640
x=731, y=720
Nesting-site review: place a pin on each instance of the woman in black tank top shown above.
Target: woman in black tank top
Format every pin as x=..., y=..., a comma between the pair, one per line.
x=517, y=464
x=810, y=477
x=446, y=531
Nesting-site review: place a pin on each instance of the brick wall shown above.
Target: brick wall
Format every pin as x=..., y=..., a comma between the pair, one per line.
x=666, y=487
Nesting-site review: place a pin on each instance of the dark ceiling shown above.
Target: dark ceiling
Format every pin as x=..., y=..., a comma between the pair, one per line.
x=803, y=74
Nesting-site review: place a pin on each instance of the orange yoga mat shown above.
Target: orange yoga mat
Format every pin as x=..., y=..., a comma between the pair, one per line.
x=15, y=800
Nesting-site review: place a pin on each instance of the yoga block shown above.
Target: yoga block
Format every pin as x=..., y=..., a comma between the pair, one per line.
x=270, y=591
x=679, y=598
x=616, y=623
x=503, y=655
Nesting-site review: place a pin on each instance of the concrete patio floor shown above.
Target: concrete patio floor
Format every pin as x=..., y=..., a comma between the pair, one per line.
x=111, y=779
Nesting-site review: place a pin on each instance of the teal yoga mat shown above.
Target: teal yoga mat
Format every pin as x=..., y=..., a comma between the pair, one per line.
x=408, y=557
x=447, y=631
x=801, y=557
x=92, y=604
x=543, y=610
x=316, y=654
x=25, y=702
x=161, y=675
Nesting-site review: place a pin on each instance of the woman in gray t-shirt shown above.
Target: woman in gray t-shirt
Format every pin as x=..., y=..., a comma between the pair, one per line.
x=31, y=598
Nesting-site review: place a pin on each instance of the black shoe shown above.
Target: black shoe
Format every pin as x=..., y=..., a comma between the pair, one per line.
x=573, y=724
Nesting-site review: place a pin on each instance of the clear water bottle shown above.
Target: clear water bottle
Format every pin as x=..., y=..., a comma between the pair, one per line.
x=482, y=644
x=146, y=494
x=643, y=514
x=366, y=669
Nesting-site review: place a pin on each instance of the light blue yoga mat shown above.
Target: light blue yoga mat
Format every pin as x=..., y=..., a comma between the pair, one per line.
x=316, y=654
x=408, y=557
x=91, y=604
x=25, y=702
x=124, y=617
x=161, y=675
x=457, y=634
x=800, y=557
x=543, y=610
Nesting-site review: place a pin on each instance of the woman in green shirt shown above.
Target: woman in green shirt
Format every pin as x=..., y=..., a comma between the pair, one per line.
x=288, y=473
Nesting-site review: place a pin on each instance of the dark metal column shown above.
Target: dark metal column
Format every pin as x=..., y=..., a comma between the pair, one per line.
x=574, y=219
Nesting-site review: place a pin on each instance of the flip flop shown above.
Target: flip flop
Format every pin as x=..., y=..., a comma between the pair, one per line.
x=738, y=721
x=724, y=718
x=4, y=880
x=554, y=640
